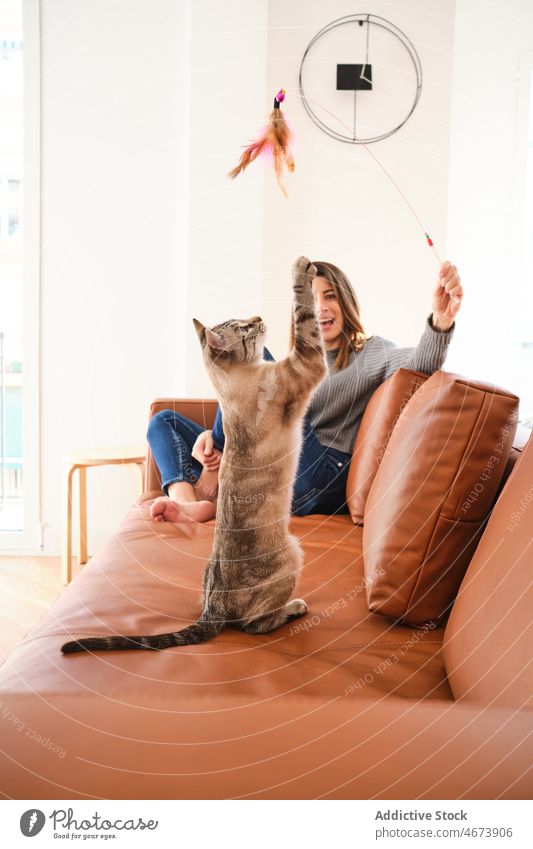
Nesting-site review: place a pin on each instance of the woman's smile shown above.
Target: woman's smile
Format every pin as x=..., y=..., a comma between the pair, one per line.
x=329, y=312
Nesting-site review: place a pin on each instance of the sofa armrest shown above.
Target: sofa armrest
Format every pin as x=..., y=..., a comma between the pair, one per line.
x=200, y=410
x=296, y=747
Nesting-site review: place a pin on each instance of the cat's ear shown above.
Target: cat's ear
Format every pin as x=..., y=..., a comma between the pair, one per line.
x=214, y=340
x=200, y=329
x=207, y=336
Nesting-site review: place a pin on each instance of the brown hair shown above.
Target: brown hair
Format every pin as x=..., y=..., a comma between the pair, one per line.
x=353, y=336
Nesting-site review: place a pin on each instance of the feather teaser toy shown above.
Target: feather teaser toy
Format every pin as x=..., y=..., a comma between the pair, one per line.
x=274, y=141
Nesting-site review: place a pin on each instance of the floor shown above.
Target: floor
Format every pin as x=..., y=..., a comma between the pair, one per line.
x=28, y=586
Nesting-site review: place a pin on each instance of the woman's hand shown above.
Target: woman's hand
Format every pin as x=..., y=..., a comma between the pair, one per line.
x=447, y=297
x=205, y=452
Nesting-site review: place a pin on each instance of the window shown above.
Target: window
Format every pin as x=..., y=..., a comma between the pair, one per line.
x=14, y=207
x=19, y=279
x=11, y=266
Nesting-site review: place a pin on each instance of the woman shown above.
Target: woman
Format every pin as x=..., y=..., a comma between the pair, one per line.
x=188, y=457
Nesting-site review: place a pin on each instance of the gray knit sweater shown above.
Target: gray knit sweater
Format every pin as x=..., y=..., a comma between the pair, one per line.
x=339, y=401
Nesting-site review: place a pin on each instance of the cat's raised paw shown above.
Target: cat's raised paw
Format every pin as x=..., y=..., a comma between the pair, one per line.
x=303, y=269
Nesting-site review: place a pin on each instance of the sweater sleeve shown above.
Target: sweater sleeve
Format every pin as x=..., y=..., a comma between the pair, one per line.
x=218, y=430
x=427, y=357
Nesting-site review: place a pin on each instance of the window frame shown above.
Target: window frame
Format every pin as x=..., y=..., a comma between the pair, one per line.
x=30, y=539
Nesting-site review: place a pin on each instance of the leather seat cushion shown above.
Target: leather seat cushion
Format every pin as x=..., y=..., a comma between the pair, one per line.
x=147, y=579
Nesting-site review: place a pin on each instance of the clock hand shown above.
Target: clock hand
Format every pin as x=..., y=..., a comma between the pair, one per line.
x=366, y=57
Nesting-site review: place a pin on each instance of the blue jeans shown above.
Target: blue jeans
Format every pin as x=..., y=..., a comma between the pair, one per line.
x=320, y=485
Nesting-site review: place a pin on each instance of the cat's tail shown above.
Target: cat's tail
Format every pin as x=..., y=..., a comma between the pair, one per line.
x=199, y=632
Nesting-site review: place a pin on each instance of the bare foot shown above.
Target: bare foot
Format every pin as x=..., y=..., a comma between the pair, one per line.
x=198, y=511
x=165, y=509
x=206, y=487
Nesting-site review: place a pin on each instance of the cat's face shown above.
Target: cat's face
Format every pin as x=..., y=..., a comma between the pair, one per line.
x=233, y=341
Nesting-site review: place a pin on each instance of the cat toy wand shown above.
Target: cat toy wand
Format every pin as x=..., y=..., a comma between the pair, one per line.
x=275, y=140
x=394, y=183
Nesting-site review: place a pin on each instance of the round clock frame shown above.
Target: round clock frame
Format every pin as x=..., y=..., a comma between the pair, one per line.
x=370, y=20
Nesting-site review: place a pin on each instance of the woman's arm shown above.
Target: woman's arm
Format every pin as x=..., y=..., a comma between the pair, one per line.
x=218, y=430
x=428, y=356
x=431, y=351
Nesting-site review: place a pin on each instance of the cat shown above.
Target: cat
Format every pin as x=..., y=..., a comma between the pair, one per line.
x=251, y=572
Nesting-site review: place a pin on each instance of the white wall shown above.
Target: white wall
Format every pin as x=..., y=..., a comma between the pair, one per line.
x=487, y=181
x=115, y=91
x=228, y=99
x=142, y=229
x=341, y=206
x=146, y=106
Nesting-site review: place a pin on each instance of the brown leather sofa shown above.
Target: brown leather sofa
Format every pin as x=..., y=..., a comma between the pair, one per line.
x=342, y=704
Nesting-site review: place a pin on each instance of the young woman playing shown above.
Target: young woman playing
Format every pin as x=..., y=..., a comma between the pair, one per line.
x=188, y=456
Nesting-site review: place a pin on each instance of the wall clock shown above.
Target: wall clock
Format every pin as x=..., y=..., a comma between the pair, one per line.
x=367, y=72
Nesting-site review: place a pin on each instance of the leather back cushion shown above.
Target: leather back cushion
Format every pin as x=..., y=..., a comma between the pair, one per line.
x=431, y=495
x=375, y=429
x=487, y=642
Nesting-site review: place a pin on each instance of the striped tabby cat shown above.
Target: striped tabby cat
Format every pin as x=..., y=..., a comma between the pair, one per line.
x=251, y=572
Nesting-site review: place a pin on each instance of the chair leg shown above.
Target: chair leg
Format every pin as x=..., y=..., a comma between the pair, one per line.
x=140, y=466
x=82, y=473
x=66, y=551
